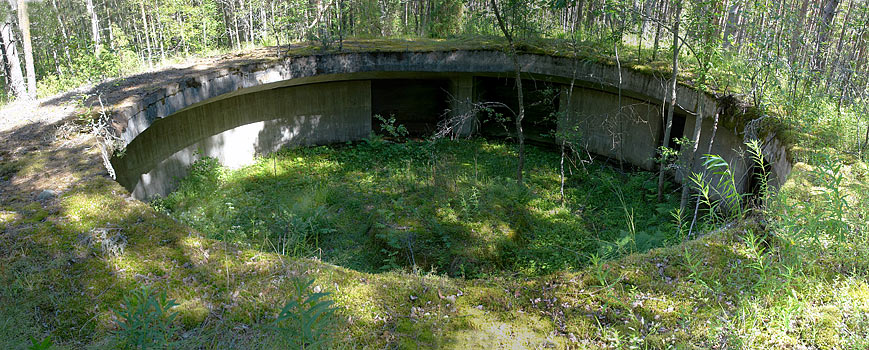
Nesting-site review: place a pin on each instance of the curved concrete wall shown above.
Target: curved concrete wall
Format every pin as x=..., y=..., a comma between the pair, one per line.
x=239, y=113
x=226, y=83
x=236, y=130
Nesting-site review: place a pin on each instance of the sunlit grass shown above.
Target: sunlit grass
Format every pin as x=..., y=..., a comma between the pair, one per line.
x=451, y=207
x=228, y=292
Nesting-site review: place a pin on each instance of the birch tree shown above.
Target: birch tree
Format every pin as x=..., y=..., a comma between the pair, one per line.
x=24, y=26
x=11, y=62
x=668, y=121
x=95, y=27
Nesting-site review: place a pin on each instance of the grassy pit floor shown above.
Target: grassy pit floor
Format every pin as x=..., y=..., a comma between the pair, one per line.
x=724, y=290
x=451, y=207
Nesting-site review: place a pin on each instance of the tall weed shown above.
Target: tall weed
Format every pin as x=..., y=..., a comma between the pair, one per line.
x=146, y=320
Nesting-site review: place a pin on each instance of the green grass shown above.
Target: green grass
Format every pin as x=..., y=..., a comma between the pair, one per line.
x=450, y=208
x=776, y=290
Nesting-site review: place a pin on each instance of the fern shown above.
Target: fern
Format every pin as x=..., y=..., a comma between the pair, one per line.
x=304, y=321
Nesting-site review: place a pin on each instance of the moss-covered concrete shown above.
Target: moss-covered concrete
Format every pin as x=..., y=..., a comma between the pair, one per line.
x=627, y=125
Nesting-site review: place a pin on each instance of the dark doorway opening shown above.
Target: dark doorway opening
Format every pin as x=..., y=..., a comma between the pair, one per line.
x=758, y=176
x=541, y=105
x=677, y=132
x=417, y=104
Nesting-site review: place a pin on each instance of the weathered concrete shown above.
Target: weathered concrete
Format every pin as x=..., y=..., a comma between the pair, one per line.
x=239, y=113
x=227, y=83
x=777, y=156
x=727, y=144
x=237, y=129
x=621, y=128
x=461, y=102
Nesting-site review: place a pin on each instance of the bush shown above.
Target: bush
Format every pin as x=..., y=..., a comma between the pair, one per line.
x=145, y=321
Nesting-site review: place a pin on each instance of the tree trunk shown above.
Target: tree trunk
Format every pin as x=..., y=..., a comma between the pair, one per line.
x=24, y=26
x=721, y=18
x=263, y=24
x=708, y=151
x=12, y=65
x=146, y=33
x=56, y=62
x=797, y=32
x=646, y=10
x=741, y=28
x=838, y=52
x=662, y=9
x=827, y=14
x=235, y=24
x=159, y=31
x=95, y=27
x=63, y=33
x=690, y=154
x=111, y=30
x=520, y=135
x=730, y=24
x=668, y=127
x=778, y=26
x=866, y=139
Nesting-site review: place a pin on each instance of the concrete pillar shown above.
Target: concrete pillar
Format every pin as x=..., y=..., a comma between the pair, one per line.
x=462, y=101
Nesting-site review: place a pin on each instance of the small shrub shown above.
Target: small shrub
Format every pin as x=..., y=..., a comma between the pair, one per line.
x=829, y=175
x=204, y=176
x=145, y=321
x=398, y=132
x=721, y=195
x=756, y=154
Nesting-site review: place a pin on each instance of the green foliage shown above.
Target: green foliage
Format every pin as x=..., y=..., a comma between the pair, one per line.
x=450, y=16
x=441, y=206
x=305, y=322
x=599, y=270
x=725, y=187
x=397, y=132
x=826, y=223
x=755, y=152
x=679, y=223
x=88, y=68
x=694, y=264
x=758, y=258
x=204, y=176
x=829, y=175
x=299, y=235
x=145, y=320
x=44, y=344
